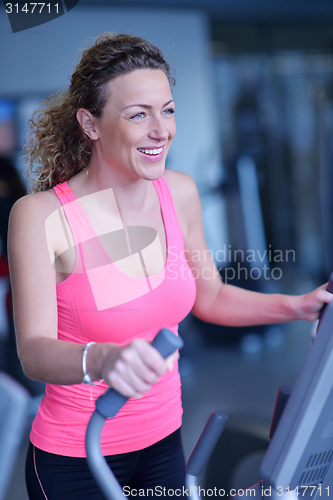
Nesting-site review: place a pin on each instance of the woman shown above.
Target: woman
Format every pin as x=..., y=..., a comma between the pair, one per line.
x=98, y=268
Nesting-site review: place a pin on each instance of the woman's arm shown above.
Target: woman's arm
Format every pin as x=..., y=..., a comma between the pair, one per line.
x=225, y=304
x=130, y=369
x=234, y=306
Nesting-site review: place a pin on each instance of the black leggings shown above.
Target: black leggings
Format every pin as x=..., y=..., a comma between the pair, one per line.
x=153, y=471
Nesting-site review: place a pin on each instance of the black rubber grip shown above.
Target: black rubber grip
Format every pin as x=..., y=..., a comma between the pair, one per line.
x=109, y=403
x=281, y=400
x=206, y=443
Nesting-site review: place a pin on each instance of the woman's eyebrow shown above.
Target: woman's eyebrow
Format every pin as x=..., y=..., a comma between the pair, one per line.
x=148, y=106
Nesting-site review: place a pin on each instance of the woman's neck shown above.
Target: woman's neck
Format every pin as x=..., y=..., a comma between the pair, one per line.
x=131, y=193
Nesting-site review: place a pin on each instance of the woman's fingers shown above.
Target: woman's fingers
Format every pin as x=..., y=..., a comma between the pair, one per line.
x=137, y=366
x=313, y=302
x=170, y=360
x=145, y=359
x=127, y=384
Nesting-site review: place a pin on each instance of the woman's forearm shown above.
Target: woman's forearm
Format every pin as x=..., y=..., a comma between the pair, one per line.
x=58, y=362
x=130, y=369
x=234, y=306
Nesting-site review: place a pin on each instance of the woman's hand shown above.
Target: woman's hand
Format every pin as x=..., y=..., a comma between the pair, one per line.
x=311, y=304
x=132, y=369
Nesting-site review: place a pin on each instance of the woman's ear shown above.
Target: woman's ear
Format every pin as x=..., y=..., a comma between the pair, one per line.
x=87, y=122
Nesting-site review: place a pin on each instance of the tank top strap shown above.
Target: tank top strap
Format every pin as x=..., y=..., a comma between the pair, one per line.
x=77, y=219
x=168, y=209
x=64, y=193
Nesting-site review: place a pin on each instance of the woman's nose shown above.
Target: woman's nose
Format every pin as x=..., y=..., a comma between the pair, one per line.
x=158, y=130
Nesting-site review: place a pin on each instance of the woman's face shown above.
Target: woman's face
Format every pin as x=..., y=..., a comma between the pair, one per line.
x=137, y=126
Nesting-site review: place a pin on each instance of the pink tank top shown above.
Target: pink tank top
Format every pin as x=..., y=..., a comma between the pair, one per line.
x=100, y=303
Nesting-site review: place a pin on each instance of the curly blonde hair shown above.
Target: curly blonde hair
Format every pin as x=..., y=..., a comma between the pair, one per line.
x=56, y=147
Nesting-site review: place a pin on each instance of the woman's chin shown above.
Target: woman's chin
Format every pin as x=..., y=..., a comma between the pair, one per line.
x=153, y=172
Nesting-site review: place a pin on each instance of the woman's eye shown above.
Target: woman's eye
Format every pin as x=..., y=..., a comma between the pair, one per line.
x=169, y=111
x=138, y=115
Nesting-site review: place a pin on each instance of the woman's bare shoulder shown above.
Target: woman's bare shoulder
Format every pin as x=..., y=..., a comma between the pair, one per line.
x=36, y=205
x=182, y=186
x=30, y=214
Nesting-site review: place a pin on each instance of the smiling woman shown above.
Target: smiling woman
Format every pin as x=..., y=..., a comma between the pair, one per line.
x=140, y=112
x=91, y=279
x=97, y=267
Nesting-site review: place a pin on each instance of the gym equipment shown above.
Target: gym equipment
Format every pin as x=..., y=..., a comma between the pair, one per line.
x=14, y=412
x=299, y=459
x=110, y=403
x=202, y=451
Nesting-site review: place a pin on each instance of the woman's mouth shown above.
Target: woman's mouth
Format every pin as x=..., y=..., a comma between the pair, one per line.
x=151, y=154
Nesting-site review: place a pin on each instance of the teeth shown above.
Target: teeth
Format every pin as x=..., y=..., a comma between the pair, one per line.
x=151, y=151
